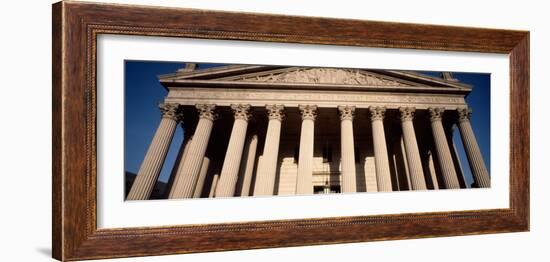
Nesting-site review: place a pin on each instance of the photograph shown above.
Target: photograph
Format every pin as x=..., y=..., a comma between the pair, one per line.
x=214, y=130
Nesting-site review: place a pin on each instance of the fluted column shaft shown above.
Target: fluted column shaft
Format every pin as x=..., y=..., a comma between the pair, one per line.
x=230, y=169
x=411, y=149
x=403, y=154
x=431, y=167
x=213, y=186
x=304, y=181
x=477, y=165
x=202, y=176
x=186, y=144
x=247, y=166
x=156, y=154
x=443, y=152
x=187, y=178
x=347, y=145
x=382, y=165
x=265, y=176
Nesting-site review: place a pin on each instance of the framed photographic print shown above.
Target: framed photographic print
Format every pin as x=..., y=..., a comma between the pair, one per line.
x=180, y=130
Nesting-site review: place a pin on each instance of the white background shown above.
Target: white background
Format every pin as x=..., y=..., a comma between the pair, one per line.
x=25, y=133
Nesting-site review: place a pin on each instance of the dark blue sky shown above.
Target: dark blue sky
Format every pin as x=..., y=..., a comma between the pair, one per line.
x=143, y=93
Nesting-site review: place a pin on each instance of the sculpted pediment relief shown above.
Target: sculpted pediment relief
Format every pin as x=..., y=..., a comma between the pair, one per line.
x=307, y=76
x=324, y=76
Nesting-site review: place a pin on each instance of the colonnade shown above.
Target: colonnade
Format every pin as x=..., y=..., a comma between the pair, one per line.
x=191, y=172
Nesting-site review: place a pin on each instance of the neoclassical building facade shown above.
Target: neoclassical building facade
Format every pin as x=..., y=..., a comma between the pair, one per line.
x=276, y=130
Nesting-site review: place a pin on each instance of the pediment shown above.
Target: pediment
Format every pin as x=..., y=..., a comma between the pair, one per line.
x=323, y=76
x=310, y=76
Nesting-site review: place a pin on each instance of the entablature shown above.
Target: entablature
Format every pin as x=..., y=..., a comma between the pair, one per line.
x=321, y=98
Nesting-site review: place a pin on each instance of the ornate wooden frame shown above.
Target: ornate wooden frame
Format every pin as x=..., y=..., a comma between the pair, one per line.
x=75, y=28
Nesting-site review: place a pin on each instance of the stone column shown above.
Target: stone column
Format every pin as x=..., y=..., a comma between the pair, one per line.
x=443, y=152
x=177, y=169
x=304, y=181
x=202, y=177
x=265, y=176
x=213, y=186
x=347, y=149
x=184, y=186
x=411, y=149
x=477, y=165
x=247, y=166
x=230, y=169
x=156, y=154
x=431, y=167
x=382, y=165
x=456, y=160
x=403, y=156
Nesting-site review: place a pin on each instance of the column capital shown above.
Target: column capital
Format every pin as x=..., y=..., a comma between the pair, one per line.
x=346, y=112
x=436, y=113
x=171, y=111
x=241, y=111
x=207, y=111
x=308, y=111
x=464, y=113
x=276, y=112
x=407, y=113
x=377, y=112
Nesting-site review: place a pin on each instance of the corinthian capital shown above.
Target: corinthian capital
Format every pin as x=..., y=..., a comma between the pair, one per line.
x=171, y=110
x=346, y=112
x=436, y=113
x=407, y=113
x=207, y=111
x=275, y=112
x=241, y=111
x=377, y=113
x=308, y=111
x=464, y=113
